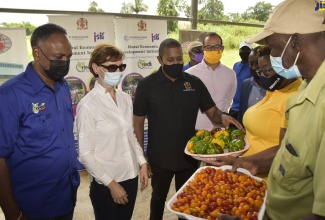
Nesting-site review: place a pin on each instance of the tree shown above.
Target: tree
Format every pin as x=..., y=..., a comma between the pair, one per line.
x=93, y=7
x=260, y=11
x=27, y=25
x=170, y=8
x=234, y=17
x=130, y=8
x=212, y=9
x=187, y=10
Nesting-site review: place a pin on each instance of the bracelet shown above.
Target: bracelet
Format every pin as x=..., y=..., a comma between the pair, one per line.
x=222, y=113
x=21, y=214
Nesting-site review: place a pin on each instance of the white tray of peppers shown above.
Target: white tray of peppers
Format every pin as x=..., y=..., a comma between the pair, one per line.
x=218, y=143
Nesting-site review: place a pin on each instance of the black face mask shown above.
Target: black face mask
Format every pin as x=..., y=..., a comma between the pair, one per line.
x=244, y=56
x=272, y=83
x=174, y=70
x=58, y=68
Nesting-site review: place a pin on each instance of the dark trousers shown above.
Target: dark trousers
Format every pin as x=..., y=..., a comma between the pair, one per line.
x=104, y=206
x=68, y=216
x=160, y=183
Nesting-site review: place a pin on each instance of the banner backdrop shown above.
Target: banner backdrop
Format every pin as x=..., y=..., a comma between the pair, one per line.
x=140, y=40
x=84, y=33
x=13, y=52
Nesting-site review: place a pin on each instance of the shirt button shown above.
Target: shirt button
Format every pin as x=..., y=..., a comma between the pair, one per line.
x=62, y=129
x=69, y=146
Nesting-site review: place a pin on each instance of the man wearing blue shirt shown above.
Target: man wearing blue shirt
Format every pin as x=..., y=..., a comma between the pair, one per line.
x=195, y=53
x=38, y=173
x=242, y=72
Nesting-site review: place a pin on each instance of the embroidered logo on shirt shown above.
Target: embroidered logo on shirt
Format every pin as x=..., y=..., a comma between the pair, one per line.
x=37, y=108
x=188, y=87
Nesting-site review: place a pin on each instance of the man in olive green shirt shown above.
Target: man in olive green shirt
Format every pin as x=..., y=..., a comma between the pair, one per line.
x=296, y=179
x=295, y=32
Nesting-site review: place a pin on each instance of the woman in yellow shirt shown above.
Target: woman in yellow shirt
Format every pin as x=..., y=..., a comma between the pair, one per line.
x=264, y=119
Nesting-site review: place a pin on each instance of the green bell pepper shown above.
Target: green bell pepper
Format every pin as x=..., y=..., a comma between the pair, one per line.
x=200, y=147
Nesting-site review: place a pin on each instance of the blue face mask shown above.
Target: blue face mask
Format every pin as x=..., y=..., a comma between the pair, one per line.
x=291, y=73
x=113, y=79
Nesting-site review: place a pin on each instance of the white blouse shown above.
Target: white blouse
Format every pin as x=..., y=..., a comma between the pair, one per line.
x=108, y=147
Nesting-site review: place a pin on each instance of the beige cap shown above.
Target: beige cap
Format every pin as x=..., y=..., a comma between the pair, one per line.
x=193, y=45
x=293, y=16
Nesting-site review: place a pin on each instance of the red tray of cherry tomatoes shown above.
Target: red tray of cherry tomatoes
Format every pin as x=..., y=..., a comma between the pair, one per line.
x=212, y=190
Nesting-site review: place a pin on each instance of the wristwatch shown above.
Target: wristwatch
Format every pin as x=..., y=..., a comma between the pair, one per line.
x=223, y=113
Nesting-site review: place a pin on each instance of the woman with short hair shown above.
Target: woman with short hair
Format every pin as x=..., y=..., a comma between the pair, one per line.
x=108, y=147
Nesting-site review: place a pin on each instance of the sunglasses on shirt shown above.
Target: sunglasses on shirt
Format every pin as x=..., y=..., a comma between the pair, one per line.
x=113, y=67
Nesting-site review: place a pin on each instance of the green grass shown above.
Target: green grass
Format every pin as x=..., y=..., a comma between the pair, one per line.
x=230, y=57
x=231, y=36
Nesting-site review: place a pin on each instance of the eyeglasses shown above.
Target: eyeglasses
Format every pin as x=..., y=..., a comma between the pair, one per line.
x=196, y=50
x=264, y=72
x=112, y=68
x=213, y=47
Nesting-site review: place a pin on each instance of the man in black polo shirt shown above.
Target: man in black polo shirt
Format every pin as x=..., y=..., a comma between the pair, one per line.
x=171, y=99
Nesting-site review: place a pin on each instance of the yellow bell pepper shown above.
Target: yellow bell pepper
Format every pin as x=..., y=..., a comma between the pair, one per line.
x=218, y=133
x=190, y=145
x=226, y=133
x=221, y=143
x=198, y=133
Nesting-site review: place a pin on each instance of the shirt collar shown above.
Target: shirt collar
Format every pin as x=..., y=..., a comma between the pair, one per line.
x=296, y=83
x=99, y=88
x=161, y=77
x=37, y=83
x=244, y=64
x=254, y=83
x=206, y=66
x=312, y=89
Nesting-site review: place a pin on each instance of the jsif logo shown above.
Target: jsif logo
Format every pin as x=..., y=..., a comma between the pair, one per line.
x=319, y=6
x=154, y=37
x=99, y=36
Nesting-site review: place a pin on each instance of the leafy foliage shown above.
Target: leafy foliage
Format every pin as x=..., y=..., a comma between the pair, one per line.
x=27, y=25
x=231, y=35
x=93, y=7
x=169, y=8
x=260, y=11
x=130, y=8
x=212, y=9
